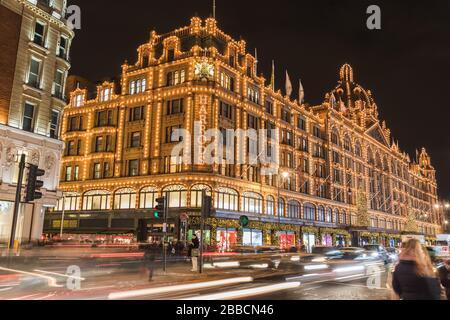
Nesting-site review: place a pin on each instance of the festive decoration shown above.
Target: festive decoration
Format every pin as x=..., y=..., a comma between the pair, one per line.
x=362, y=211
x=411, y=223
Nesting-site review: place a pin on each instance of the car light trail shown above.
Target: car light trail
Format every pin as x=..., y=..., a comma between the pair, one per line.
x=260, y=266
x=192, y=286
x=117, y=255
x=60, y=275
x=361, y=275
x=51, y=281
x=316, y=267
x=349, y=269
x=238, y=294
x=231, y=264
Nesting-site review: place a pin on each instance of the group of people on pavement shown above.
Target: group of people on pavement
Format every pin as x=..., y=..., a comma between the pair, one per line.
x=414, y=277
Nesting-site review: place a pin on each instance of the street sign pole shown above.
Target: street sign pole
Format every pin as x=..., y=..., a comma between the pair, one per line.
x=17, y=202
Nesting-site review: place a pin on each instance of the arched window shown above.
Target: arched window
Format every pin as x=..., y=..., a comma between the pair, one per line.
x=310, y=212
x=270, y=206
x=71, y=202
x=374, y=223
x=294, y=210
x=252, y=202
x=176, y=195
x=337, y=216
x=347, y=144
x=370, y=157
x=147, y=198
x=125, y=199
x=281, y=205
x=358, y=149
x=379, y=164
x=335, y=137
x=343, y=217
x=197, y=195
x=226, y=199
x=329, y=216
x=321, y=214
x=96, y=200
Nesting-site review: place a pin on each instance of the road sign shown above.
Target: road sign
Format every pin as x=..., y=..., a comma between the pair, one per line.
x=244, y=220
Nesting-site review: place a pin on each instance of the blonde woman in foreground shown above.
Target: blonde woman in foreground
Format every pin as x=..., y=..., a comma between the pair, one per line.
x=414, y=277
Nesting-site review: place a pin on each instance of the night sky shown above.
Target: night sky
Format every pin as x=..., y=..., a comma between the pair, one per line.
x=406, y=64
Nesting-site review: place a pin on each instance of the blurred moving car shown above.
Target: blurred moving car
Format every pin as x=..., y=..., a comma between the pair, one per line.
x=377, y=250
x=393, y=254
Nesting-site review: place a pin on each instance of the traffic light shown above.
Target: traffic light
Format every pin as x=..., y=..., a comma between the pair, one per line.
x=160, y=208
x=33, y=184
x=206, y=207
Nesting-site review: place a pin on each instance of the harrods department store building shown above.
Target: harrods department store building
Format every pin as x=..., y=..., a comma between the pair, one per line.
x=118, y=156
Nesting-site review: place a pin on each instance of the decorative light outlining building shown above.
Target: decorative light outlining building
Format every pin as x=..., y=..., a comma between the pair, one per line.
x=118, y=155
x=34, y=60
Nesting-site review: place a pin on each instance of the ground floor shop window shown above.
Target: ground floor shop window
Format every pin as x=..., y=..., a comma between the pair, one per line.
x=340, y=241
x=309, y=241
x=327, y=240
x=226, y=238
x=6, y=213
x=253, y=237
x=286, y=239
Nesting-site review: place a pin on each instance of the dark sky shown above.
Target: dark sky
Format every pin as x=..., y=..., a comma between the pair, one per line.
x=406, y=64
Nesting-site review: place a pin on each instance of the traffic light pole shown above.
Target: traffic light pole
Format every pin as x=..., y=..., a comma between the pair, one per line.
x=17, y=202
x=202, y=231
x=165, y=232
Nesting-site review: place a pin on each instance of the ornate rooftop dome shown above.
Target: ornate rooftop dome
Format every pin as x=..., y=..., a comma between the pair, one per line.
x=352, y=100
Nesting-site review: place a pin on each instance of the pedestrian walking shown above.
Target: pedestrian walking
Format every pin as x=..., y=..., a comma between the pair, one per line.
x=444, y=274
x=150, y=260
x=194, y=252
x=414, y=277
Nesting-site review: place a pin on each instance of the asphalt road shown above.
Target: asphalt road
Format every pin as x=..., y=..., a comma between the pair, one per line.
x=100, y=275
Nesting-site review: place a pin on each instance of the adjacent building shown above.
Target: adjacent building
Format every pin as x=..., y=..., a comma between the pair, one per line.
x=334, y=159
x=34, y=61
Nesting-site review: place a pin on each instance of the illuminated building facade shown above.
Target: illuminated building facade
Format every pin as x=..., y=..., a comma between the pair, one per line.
x=34, y=61
x=118, y=156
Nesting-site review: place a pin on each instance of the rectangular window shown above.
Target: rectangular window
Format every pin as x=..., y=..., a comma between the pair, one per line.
x=301, y=123
x=104, y=118
x=137, y=114
x=170, y=134
x=285, y=115
x=28, y=117
x=68, y=174
x=176, y=77
x=39, y=31
x=135, y=140
x=99, y=144
x=138, y=86
x=226, y=110
x=34, y=72
x=54, y=124
x=106, y=170
x=269, y=107
x=62, y=49
x=170, y=55
x=76, y=173
x=133, y=168
x=175, y=106
x=58, y=84
x=317, y=132
x=97, y=171
x=105, y=94
x=226, y=81
x=253, y=95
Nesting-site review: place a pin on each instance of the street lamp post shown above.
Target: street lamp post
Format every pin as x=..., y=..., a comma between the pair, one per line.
x=284, y=175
